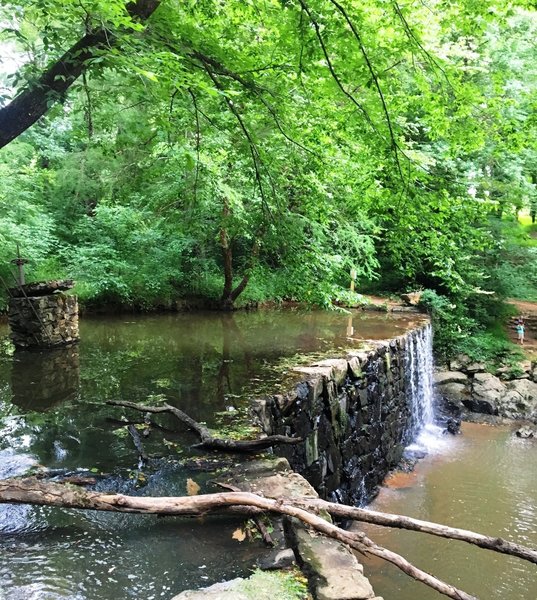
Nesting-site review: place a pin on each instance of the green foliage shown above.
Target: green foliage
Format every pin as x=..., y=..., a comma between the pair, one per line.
x=284, y=585
x=461, y=329
x=450, y=321
x=279, y=148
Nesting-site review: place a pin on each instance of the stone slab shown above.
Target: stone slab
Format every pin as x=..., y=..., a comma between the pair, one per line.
x=336, y=573
x=442, y=377
x=339, y=368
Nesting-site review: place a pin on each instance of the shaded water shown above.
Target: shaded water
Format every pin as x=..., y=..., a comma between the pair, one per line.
x=484, y=480
x=52, y=412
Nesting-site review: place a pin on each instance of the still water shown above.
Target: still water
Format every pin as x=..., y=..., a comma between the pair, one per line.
x=53, y=413
x=484, y=480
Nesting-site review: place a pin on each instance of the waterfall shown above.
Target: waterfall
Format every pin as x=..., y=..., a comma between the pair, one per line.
x=419, y=367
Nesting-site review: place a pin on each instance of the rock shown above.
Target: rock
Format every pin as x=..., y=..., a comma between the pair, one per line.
x=487, y=391
x=412, y=298
x=459, y=363
x=41, y=288
x=281, y=559
x=453, y=426
x=443, y=377
x=339, y=368
x=520, y=400
x=262, y=585
x=475, y=367
x=526, y=432
x=227, y=590
x=334, y=569
x=455, y=393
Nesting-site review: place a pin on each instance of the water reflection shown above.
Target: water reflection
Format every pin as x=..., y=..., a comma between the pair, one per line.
x=43, y=379
x=53, y=412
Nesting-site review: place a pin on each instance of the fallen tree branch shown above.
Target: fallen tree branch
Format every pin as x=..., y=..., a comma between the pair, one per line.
x=364, y=515
x=205, y=435
x=33, y=491
x=138, y=444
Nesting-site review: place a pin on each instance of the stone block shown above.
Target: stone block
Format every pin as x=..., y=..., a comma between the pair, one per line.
x=333, y=569
x=338, y=366
x=443, y=377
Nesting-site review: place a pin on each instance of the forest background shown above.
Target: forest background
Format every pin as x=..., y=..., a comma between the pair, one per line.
x=237, y=151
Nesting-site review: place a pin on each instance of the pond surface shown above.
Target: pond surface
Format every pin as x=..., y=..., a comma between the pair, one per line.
x=53, y=413
x=484, y=480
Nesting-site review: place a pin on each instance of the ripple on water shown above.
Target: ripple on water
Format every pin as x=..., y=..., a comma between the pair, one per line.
x=486, y=482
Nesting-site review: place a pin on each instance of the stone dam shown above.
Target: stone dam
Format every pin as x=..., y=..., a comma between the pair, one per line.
x=355, y=414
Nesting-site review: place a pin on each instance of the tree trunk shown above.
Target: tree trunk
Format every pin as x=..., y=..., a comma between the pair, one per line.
x=33, y=491
x=33, y=102
x=227, y=256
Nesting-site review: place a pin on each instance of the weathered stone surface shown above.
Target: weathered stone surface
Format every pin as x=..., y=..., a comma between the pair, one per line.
x=475, y=367
x=339, y=368
x=271, y=478
x=335, y=571
x=412, y=298
x=356, y=408
x=280, y=559
x=227, y=590
x=262, y=585
x=520, y=400
x=443, y=377
x=354, y=366
x=41, y=288
x=43, y=321
x=487, y=392
x=456, y=392
x=526, y=432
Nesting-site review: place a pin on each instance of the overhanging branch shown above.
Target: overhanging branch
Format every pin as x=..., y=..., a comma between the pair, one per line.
x=34, y=101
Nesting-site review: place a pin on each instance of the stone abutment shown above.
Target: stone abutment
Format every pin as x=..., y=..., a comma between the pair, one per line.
x=355, y=416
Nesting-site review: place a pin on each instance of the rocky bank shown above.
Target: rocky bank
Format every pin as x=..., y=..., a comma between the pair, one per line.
x=467, y=387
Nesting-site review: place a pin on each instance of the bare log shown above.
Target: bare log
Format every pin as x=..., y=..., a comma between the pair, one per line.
x=33, y=491
x=207, y=439
x=496, y=544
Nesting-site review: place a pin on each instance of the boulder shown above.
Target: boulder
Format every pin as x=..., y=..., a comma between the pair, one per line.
x=443, y=377
x=475, y=367
x=526, y=432
x=454, y=392
x=459, y=363
x=520, y=400
x=487, y=392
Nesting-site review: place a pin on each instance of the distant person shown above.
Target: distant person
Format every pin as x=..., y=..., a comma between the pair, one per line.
x=520, y=330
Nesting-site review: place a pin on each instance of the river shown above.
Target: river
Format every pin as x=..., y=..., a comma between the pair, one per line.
x=484, y=480
x=53, y=413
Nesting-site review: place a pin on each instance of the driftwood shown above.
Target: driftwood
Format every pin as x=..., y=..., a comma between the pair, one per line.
x=496, y=544
x=33, y=491
x=207, y=440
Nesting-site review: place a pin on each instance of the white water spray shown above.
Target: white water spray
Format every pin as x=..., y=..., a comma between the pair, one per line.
x=419, y=364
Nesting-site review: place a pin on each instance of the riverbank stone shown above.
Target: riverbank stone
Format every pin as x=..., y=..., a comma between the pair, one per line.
x=484, y=393
x=259, y=586
x=333, y=571
x=336, y=572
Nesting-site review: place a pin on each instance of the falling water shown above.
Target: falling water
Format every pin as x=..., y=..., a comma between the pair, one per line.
x=420, y=388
